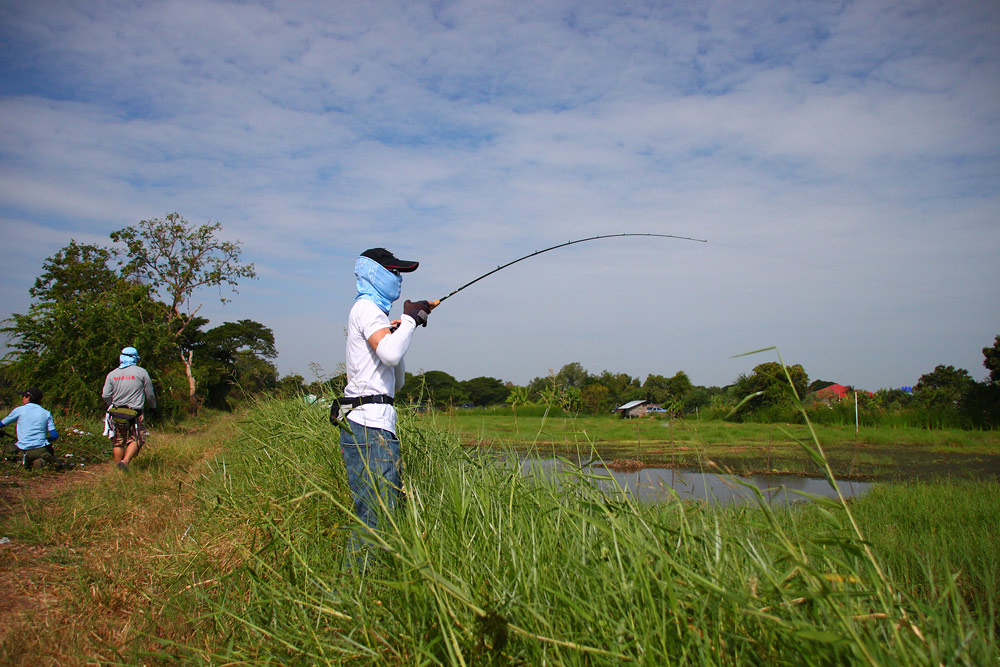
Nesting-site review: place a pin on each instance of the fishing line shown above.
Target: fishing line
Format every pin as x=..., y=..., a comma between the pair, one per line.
x=435, y=304
x=855, y=274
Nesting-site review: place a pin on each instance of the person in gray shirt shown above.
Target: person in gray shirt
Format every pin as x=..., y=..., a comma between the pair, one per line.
x=128, y=392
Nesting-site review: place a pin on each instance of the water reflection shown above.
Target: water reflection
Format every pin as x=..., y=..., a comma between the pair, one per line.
x=650, y=485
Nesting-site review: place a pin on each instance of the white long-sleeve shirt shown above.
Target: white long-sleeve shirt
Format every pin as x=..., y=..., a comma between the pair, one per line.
x=373, y=372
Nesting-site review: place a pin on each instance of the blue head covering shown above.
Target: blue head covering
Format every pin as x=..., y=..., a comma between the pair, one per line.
x=128, y=357
x=377, y=283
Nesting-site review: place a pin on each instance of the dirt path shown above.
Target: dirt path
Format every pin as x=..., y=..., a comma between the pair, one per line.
x=16, y=489
x=80, y=570
x=25, y=574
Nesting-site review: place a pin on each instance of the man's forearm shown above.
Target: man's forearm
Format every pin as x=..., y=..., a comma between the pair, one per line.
x=392, y=347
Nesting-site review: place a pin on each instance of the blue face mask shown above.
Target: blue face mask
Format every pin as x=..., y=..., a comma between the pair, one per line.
x=128, y=357
x=377, y=283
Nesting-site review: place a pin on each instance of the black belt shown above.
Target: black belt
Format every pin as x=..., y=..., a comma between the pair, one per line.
x=355, y=401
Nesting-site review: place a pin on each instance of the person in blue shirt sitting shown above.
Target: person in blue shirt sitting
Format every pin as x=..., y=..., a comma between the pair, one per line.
x=35, y=430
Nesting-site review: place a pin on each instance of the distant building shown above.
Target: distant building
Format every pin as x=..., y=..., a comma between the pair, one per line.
x=632, y=409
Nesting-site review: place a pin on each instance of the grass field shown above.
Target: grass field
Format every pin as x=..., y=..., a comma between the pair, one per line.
x=488, y=426
x=223, y=547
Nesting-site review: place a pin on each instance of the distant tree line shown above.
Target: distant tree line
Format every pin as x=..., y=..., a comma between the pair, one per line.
x=771, y=392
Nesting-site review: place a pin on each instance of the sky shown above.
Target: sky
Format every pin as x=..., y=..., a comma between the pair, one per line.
x=842, y=159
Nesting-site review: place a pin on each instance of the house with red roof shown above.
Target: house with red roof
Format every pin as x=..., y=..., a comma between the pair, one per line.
x=834, y=392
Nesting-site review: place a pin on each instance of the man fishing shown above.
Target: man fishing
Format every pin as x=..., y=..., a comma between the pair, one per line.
x=375, y=348
x=35, y=430
x=375, y=372
x=128, y=390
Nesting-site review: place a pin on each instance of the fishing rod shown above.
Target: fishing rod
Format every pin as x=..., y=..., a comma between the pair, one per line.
x=435, y=304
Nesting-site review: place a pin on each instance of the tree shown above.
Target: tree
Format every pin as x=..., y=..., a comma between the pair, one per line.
x=486, y=390
x=622, y=387
x=443, y=389
x=76, y=271
x=595, y=399
x=237, y=355
x=664, y=390
x=572, y=375
x=698, y=397
x=982, y=403
x=769, y=379
x=538, y=385
x=176, y=258
x=680, y=385
x=656, y=388
x=992, y=360
x=943, y=386
x=893, y=399
x=64, y=343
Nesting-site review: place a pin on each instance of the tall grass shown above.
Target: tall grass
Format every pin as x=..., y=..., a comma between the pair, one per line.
x=933, y=532
x=481, y=565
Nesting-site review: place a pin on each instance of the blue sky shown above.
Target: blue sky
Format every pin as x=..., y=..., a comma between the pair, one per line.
x=842, y=159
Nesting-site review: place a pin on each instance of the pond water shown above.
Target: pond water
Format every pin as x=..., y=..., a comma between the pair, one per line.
x=654, y=484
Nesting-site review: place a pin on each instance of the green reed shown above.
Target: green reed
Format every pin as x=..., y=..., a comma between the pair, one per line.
x=482, y=565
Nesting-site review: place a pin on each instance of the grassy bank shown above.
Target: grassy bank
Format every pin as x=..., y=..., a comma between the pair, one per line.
x=482, y=565
x=235, y=558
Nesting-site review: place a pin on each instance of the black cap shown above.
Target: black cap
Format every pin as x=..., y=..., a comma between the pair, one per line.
x=390, y=261
x=34, y=394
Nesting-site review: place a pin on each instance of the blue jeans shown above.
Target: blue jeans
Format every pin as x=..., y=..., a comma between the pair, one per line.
x=371, y=456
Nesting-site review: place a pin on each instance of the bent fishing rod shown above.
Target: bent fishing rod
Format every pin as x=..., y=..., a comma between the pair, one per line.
x=435, y=304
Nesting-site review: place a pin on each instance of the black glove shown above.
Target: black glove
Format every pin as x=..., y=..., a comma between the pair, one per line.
x=418, y=310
